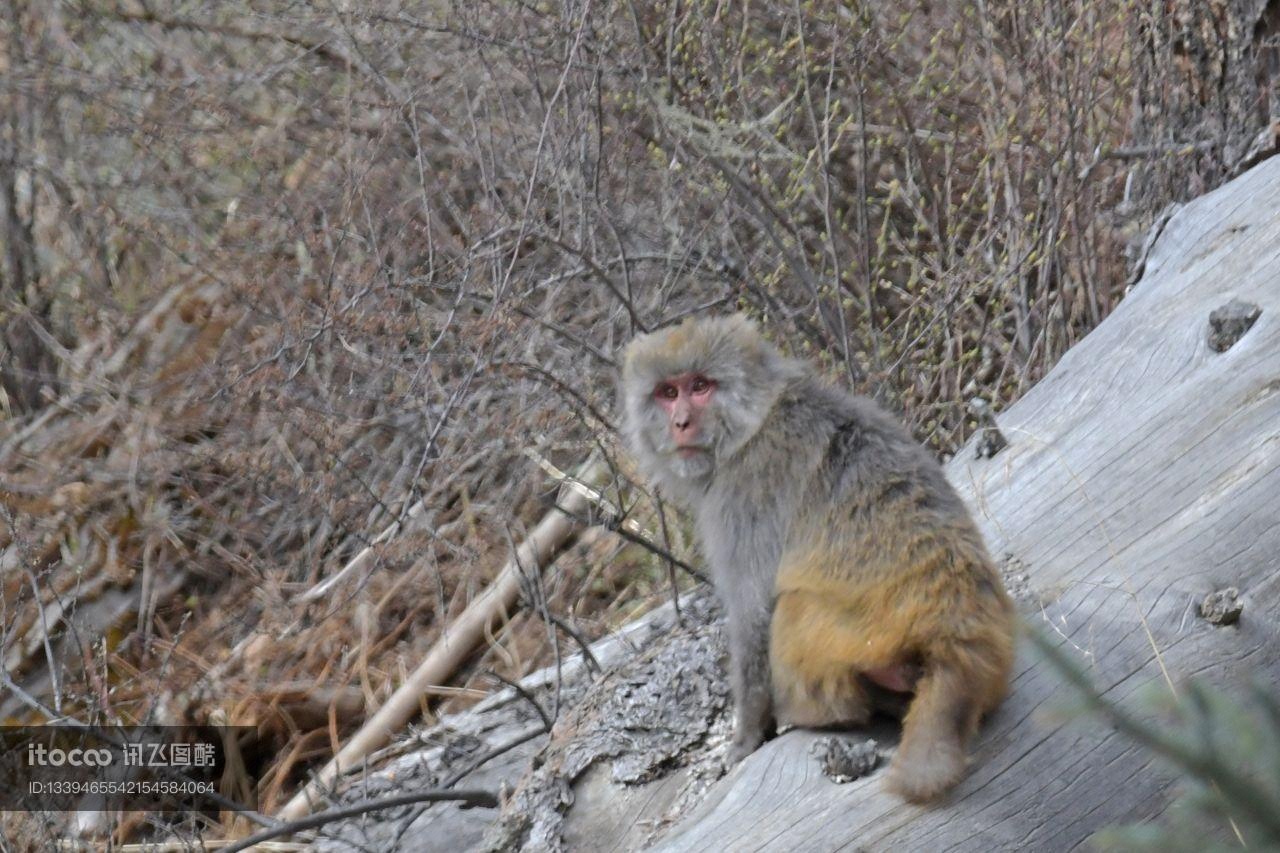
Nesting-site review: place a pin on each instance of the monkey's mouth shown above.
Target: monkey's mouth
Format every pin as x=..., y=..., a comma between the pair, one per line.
x=688, y=451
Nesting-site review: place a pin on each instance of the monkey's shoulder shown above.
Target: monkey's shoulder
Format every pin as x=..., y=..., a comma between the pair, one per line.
x=847, y=424
x=805, y=397
x=809, y=399
x=871, y=459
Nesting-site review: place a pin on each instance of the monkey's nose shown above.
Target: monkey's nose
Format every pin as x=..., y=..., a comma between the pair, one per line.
x=684, y=433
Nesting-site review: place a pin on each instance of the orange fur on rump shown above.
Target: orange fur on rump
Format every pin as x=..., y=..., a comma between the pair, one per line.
x=944, y=613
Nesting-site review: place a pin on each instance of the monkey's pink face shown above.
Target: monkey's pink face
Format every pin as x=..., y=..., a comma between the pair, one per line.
x=684, y=399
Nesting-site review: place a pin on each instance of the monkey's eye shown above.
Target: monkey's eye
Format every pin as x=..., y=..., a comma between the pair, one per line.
x=666, y=391
x=700, y=385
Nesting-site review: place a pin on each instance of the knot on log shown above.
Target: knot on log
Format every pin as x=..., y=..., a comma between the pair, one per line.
x=844, y=759
x=990, y=439
x=1229, y=323
x=1222, y=607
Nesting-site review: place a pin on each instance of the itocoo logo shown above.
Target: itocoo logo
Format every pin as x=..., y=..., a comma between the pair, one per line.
x=39, y=755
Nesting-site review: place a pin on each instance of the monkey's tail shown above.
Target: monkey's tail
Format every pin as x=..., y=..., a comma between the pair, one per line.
x=938, y=725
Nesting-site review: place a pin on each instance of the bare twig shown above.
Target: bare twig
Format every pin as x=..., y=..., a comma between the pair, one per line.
x=473, y=798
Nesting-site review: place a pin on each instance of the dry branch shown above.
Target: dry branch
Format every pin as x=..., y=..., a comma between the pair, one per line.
x=458, y=640
x=357, y=562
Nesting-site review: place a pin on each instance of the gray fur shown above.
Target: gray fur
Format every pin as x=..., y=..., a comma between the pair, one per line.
x=783, y=445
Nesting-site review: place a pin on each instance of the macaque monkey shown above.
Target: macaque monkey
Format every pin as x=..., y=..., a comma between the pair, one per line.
x=851, y=574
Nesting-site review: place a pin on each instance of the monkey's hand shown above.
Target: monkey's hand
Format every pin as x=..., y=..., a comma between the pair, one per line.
x=755, y=725
x=744, y=743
